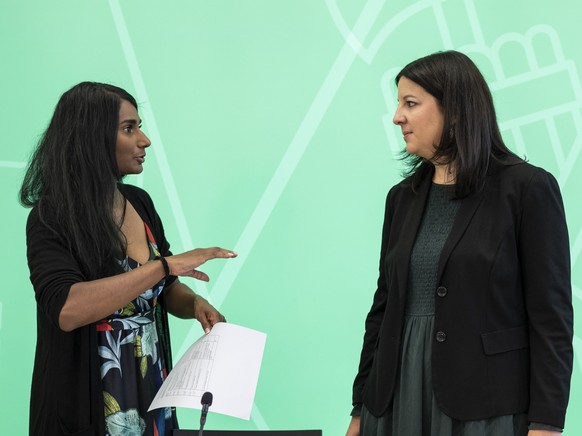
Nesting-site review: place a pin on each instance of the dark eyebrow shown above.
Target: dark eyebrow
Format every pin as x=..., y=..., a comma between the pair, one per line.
x=130, y=121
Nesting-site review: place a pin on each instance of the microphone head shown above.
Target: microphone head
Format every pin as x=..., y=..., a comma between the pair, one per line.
x=206, y=399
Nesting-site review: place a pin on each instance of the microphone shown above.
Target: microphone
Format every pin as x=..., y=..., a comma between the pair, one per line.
x=206, y=402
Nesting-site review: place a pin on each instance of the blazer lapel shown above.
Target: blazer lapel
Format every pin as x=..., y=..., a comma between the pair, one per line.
x=466, y=212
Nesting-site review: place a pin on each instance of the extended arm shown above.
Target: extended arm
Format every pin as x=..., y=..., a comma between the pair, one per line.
x=90, y=301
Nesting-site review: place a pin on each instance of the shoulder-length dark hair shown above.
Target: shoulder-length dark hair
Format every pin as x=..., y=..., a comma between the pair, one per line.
x=71, y=177
x=470, y=136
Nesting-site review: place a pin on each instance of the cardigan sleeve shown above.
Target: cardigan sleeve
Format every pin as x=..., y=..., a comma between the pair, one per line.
x=545, y=264
x=53, y=268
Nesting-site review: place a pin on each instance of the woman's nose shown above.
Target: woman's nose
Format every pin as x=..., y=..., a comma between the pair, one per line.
x=145, y=142
x=398, y=118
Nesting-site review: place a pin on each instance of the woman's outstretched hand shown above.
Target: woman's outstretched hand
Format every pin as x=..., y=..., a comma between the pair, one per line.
x=185, y=264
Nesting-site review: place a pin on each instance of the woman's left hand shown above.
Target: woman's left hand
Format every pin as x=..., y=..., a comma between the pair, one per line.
x=206, y=314
x=181, y=301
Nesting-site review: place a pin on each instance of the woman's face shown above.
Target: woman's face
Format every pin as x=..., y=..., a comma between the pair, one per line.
x=420, y=117
x=131, y=141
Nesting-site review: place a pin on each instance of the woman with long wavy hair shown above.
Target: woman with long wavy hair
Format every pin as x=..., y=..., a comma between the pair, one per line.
x=103, y=273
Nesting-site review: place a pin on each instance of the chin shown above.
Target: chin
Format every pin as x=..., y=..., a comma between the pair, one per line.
x=420, y=153
x=130, y=171
x=411, y=150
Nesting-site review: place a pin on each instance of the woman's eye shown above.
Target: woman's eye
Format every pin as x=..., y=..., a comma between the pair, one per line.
x=128, y=129
x=410, y=103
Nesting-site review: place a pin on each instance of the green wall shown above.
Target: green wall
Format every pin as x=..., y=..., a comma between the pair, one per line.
x=272, y=135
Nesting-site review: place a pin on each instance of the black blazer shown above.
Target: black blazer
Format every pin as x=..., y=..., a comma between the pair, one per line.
x=503, y=310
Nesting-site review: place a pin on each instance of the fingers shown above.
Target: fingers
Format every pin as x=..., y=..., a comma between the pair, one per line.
x=185, y=264
x=215, y=316
x=199, y=275
x=211, y=317
x=201, y=307
x=220, y=253
x=206, y=326
x=206, y=314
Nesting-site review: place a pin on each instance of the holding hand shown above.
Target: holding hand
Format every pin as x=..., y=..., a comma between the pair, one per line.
x=206, y=314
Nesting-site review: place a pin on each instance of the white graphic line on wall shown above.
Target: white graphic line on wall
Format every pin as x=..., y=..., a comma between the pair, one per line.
x=443, y=27
x=475, y=23
x=11, y=164
x=355, y=40
x=576, y=248
x=577, y=342
x=294, y=153
x=285, y=170
x=158, y=147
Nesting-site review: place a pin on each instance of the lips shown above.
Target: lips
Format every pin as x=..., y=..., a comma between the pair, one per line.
x=406, y=135
x=140, y=159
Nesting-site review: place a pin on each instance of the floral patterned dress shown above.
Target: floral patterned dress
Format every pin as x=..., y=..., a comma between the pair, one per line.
x=132, y=363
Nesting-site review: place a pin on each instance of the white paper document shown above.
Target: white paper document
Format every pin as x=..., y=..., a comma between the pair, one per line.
x=225, y=362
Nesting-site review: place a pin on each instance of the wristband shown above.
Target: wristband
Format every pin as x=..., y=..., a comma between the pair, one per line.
x=165, y=264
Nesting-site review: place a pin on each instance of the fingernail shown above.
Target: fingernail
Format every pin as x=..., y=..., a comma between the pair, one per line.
x=206, y=330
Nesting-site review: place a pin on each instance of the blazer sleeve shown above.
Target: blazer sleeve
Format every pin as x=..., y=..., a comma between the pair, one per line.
x=375, y=315
x=545, y=263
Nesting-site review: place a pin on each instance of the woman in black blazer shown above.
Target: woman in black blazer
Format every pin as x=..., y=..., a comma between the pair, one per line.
x=470, y=330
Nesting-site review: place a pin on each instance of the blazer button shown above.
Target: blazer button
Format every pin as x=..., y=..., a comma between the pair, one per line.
x=441, y=336
x=442, y=291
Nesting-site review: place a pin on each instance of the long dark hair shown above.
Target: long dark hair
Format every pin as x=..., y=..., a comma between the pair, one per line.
x=72, y=175
x=471, y=136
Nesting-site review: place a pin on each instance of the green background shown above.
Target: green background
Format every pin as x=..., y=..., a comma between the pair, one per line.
x=272, y=135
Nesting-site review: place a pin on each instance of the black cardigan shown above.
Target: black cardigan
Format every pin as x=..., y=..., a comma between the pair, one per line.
x=66, y=396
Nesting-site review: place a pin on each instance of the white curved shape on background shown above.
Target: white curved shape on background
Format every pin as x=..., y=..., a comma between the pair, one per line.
x=369, y=53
